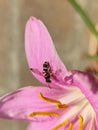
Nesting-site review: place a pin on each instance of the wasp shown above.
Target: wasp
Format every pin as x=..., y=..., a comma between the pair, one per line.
x=47, y=71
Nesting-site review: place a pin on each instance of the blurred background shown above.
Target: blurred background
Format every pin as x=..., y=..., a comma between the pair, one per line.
x=69, y=32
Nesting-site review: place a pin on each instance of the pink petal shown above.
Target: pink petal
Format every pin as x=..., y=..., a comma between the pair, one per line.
x=39, y=48
x=20, y=103
x=49, y=125
x=42, y=125
x=89, y=87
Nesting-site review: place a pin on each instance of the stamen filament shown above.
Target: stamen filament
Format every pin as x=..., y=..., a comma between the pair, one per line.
x=60, y=125
x=49, y=113
x=92, y=124
x=70, y=126
x=58, y=103
x=81, y=122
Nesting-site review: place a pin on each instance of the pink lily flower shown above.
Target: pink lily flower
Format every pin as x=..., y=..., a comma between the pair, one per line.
x=68, y=102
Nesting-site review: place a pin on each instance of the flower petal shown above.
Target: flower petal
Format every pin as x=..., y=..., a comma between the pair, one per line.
x=39, y=48
x=71, y=115
x=89, y=87
x=22, y=102
x=42, y=125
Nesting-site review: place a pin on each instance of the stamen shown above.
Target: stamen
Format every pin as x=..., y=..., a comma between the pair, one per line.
x=81, y=122
x=70, y=126
x=58, y=103
x=60, y=125
x=49, y=113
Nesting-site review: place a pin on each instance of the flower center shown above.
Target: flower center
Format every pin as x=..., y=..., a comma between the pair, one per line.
x=78, y=110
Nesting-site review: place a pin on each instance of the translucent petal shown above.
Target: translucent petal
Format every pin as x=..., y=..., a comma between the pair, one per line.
x=39, y=49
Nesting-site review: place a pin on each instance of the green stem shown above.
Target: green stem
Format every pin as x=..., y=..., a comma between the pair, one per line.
x=95, y=57
x=85, y=17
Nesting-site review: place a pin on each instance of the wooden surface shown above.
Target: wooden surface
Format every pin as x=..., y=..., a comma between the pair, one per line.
x=69, y=33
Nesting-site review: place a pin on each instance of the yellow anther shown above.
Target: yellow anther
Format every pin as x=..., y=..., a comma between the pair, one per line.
x=70, y=126
x=81, y=122
x=49, y=99
x=60, y=125
x=62, y=106
x=53, y=101
x=48, y=113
